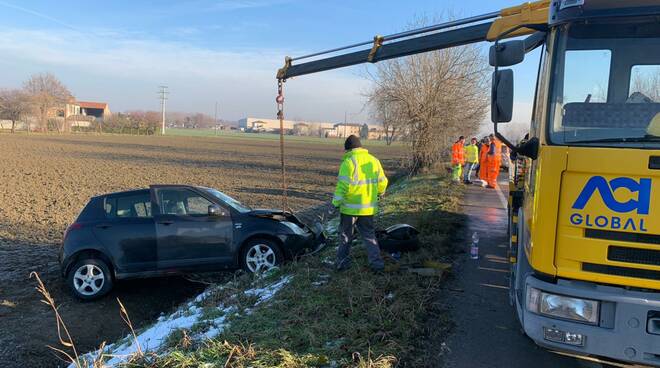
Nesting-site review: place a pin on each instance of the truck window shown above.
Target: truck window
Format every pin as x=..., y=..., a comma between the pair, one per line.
x=586, y=75
x=606, y=84
x=644, y=84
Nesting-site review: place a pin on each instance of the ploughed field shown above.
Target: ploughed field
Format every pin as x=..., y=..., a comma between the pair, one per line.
x=45, y=180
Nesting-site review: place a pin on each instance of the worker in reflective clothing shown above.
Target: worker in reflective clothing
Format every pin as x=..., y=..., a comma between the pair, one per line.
x=471, y=159
x=494, y=161
x=483, y=160
x=361, y=181
x=457, y=158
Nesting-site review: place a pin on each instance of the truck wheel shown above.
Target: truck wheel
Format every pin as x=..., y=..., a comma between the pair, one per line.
x=261, y=255
x=90, y=279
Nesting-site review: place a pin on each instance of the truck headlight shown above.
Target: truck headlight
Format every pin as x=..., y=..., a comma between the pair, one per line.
x=560, y=306
x=293, y=227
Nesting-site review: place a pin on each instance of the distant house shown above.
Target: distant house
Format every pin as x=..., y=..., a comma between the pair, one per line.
x=343, y=130
x=99, y=110
x=273, y=125
x=376, y=133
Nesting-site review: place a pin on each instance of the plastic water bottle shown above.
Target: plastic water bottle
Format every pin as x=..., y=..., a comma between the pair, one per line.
x=474, y=248
x=396, y=256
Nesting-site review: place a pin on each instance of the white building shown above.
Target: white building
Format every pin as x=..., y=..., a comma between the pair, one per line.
x=273, y=125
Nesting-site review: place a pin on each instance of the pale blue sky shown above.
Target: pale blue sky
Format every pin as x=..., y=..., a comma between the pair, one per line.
x=207, y=51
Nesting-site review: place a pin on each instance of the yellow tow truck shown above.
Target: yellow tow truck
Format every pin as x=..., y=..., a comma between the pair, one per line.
x=584, y=202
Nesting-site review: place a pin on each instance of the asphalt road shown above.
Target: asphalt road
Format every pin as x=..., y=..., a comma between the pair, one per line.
x=487, y=333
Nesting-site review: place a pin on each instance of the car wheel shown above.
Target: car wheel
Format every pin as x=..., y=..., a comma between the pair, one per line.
x=260, y=255
x=90, y=279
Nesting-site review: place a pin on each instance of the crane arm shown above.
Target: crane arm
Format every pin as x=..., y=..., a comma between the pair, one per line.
x=461, y=32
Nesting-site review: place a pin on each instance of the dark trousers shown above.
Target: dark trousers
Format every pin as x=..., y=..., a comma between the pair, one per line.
x=365, y=225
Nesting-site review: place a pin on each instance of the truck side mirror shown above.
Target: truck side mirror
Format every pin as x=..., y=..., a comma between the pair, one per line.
x=501, y=103
x=507, y=53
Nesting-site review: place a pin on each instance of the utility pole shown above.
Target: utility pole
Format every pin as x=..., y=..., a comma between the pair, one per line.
x=215, y=120
x=162, y=95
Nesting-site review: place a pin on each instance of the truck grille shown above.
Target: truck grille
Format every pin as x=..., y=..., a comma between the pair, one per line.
x=621, y=236
x=621, y=271
x=634, y=255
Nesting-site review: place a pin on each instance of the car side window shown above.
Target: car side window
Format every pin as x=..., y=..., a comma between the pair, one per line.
x=128, y=205
x=183, y=202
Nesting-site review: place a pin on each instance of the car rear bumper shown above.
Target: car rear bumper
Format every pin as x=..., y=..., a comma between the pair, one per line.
x=624, y=332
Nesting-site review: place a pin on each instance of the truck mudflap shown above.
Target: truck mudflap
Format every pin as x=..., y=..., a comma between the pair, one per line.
x=628, y=327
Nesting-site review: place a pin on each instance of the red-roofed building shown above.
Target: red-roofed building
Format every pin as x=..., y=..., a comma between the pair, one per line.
x=99, y=110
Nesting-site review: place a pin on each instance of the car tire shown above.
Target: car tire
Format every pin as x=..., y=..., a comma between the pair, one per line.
x=89, y=279
x=260, y=255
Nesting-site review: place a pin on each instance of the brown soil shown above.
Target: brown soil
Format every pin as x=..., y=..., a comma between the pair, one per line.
x=45, y=180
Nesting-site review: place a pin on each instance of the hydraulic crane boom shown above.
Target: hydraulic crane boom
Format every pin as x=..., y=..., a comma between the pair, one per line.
x=470, y=30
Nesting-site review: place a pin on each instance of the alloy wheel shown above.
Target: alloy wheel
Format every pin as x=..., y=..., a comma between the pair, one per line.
x=260, y=257
x=88, y=279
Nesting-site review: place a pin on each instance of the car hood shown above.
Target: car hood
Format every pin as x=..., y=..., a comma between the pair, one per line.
x=278, y=215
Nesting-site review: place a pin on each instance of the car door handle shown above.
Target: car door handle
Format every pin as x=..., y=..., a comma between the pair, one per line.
x=166, y=223
x=103, y=226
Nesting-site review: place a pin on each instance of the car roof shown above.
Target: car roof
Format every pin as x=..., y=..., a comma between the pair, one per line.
x=122, y=192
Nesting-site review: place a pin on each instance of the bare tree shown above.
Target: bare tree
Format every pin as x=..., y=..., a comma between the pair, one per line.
x=434, y=97
x=47, y=93
x=389, y=118
x=647, y=83
x=14, y=106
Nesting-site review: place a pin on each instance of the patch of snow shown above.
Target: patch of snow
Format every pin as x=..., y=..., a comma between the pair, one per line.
x=153, y=338
x=266, y=293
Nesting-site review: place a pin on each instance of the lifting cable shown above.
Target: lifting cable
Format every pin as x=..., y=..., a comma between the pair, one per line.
x=280, y=115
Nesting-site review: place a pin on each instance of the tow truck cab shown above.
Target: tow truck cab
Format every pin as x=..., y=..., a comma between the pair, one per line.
x=586, y=227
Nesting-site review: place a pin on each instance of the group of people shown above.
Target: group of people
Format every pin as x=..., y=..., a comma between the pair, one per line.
x=484, y=158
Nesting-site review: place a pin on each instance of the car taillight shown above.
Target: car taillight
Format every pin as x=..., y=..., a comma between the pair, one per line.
x=74, y=226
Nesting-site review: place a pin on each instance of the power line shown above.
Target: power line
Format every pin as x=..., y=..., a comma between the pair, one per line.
x=162, y=95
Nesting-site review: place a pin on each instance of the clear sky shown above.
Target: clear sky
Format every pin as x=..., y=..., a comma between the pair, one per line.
x=207, y=51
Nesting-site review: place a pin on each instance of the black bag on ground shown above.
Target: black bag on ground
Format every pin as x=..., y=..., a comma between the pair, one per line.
x=398, y=238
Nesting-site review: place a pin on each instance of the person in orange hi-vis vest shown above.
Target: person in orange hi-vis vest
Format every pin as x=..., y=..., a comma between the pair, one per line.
x=494, y=161
x=483, y=160
x=457, y=158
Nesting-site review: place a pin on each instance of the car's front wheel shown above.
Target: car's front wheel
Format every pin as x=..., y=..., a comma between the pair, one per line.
x=261, y=255
x=90, y=279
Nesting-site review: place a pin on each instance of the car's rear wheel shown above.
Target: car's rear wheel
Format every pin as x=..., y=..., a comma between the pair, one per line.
x=90, y=278
x=260, y=255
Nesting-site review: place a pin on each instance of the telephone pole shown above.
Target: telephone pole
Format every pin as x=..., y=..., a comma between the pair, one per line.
x=162, y=95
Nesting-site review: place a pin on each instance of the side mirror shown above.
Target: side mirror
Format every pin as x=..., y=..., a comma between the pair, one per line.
x=507, y=53
x=501, y=102
x=216, y=211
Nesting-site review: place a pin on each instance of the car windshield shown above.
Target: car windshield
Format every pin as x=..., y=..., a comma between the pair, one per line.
x=607, y=84
x=238, y=206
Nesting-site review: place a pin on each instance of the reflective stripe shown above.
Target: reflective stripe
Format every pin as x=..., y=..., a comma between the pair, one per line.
x=355, y=169
x=337, y=198
x=358, y=182
x=360, y=206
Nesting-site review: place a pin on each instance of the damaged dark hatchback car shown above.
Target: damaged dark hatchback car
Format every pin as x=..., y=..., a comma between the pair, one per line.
x=170, y=229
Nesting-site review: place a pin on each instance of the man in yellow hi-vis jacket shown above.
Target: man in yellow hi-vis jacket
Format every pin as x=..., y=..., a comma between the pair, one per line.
x=361, y=181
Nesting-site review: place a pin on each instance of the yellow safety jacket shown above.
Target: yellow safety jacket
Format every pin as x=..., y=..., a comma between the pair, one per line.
x=472, y=153
x=361, y=180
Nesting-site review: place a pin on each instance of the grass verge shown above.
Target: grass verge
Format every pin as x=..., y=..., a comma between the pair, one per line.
x=355, y=318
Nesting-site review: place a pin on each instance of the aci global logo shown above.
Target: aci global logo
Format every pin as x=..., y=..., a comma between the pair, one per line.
x=606, y=190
